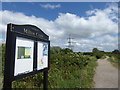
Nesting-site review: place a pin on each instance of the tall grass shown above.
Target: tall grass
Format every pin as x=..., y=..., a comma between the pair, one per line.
x=115, y=60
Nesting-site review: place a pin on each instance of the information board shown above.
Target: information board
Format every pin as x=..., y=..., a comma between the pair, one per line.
x=23, y=56
x=27, y=52
x=42, y=58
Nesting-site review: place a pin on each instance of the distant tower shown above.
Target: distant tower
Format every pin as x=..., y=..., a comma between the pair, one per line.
x=70, y=42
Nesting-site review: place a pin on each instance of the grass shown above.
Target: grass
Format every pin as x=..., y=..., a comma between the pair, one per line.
x=114, y=61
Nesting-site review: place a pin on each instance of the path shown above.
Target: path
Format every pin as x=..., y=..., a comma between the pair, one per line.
x=106, y=75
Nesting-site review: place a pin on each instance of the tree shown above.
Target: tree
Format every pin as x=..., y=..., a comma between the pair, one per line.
x=66, y=50
x=95, y=50
x=116, y=51
x=97, y=53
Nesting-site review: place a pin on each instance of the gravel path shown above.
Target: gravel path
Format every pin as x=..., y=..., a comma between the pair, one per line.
x=106, y=75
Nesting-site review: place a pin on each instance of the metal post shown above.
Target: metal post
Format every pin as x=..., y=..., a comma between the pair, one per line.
x=8, y=59
x=7, y=85
x=45, y=82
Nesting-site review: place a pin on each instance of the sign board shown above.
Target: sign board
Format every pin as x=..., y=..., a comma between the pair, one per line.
x=42, y=58
x=23, y=56
x=27, y=51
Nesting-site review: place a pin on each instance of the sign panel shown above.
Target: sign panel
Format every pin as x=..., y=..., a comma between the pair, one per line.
x=23, y=56
x=42, y=58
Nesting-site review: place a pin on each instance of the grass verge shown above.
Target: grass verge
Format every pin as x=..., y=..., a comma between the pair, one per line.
x=114, y=61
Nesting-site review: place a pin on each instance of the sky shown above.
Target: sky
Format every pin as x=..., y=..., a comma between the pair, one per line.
x=91, y=24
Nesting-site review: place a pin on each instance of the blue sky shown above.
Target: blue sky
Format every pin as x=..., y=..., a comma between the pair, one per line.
x=91, y=24
x=34, y=8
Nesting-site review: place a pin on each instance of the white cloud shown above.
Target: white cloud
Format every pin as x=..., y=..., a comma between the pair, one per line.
x=105, y=43
x=85, y=28
x=2, y=41
x=19, y=18
x=51, y=6
x=98, y=24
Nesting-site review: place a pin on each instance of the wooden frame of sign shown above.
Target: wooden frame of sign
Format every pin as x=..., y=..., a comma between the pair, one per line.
x=24, y=44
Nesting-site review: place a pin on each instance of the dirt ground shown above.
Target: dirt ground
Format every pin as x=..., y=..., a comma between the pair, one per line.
x=106, y=75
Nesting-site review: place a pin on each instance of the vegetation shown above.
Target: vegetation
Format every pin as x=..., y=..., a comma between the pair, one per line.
x=0, y=59
x=97, y=53
x=114, y=57
x=2, y=53
x=68, y=69
x=71, y=70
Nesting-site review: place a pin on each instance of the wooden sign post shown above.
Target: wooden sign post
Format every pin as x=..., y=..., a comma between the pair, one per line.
x=27, y=53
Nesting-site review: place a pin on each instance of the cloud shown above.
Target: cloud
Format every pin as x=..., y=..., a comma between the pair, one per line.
x=86, y=27
x=111, y=11
x=2, y=41
x=104, y=43
x=89, y=32
x=19, y=18
x=50, y=6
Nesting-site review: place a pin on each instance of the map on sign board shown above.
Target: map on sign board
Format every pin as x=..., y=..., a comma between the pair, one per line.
x=42, y=57
x=45, y=49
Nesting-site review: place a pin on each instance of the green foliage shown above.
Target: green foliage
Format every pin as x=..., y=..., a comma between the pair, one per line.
x=88, y=53
x=68, y=69
x=2, y=57
x=66, y=51
x=33, y=81
x=114, y=59
x=97, y=53
x=71, y=70
x=116, y=52
x=54, y=50
x=95, y=50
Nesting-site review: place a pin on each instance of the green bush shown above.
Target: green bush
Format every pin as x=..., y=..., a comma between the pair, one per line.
x=71, y=70
x=114, y=59
x=68, y=69
x=97, y=53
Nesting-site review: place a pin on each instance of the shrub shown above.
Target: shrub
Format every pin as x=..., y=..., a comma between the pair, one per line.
x=68, y=69
x=97, y=53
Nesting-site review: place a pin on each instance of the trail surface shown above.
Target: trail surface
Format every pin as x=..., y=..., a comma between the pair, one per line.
x=106, y=75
